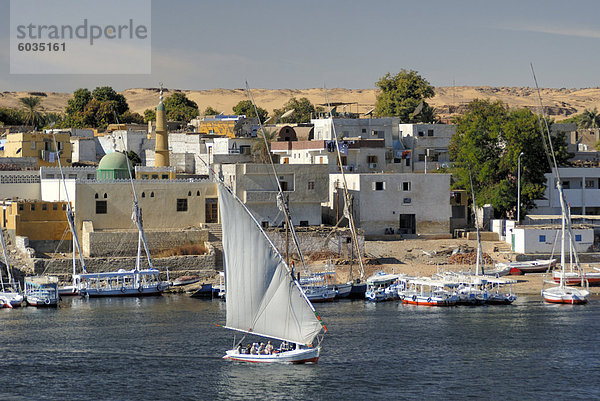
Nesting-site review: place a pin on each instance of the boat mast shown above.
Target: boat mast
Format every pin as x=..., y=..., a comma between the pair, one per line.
x=6, y=262
x=479, y=262
x=348, y=204
x=70, y=215
x=554, y=167
x=283, y=204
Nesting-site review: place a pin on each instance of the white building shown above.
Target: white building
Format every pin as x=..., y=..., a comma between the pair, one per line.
x=547, y=239
x=581, y=187
x=358, y=155
x=364, y=128
x=428, y=143
x=305, y=186
x=408, y=203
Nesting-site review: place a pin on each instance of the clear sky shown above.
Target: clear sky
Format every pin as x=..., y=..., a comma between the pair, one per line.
x=201, y=44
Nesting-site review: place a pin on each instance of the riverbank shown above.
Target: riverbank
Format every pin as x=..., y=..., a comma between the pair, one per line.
x=420, y=257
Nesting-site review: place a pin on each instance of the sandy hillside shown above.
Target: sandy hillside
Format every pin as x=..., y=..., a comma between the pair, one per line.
x=449, y=101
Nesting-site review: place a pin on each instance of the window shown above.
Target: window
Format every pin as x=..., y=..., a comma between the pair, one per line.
x=104, y=195
x=264, y=224
x=364, y=130
x=44, y=206
x=49, y=175
x=311, y=185
x=212, y=210
x=284, y=185
x=371, y=159
x=566, y=184
x=96, y=196
x=144, y=176
x=165, y=176
x=143, y=194
x=577, y=237
x=589, y=183
x=379, y=185
x=542, y=238
x=189, y=193
x=32, y=207
x=303, y=223
x=182, y=205
x=152, y=194
x=21, y=207
x=90, y=176
x=101, y=207
x=33, y=145
x=72, y=176
x=420, y=133
x=406, y=201
x=197, y=193
x=429, y=132
x=55, y=207
x=154, y=176
x=64, y=207
x=422, y=157
x=406, y=186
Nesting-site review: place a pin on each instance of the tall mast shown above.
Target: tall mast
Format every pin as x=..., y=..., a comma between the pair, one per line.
x=69, y=213
x=348, y=204
x=283, y=205
x=6, y=262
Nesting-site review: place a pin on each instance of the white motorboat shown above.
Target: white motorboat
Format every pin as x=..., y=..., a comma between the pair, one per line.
x=317, y=288
x=263, y=297
x=41, y=291
x=428, y=292
x=382, y=287
x=528, y=266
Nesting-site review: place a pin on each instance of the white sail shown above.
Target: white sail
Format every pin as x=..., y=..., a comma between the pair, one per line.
x=262, y=298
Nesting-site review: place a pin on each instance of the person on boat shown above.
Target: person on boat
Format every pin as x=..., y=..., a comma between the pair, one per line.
x=239, y=349
x=248, y=348
x=269, y=348
x=254, y=349
x=283, y=346
x=261, y=348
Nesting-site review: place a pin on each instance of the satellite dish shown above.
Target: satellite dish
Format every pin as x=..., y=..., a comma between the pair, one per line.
x=417, y=110
x=370, y=112
x=287, y=113
x=267, y=120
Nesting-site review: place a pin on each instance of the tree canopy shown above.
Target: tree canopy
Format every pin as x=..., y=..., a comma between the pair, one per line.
x=303, y=111
x=31, y=106
x=179, y=108
x=97, y=109
x=210, y=111
x=246, y=108
x=260, y=150
x=403, y=95
x=488, y=140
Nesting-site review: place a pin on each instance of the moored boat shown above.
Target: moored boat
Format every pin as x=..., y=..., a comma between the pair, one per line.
x=378, y=287
x=121, y=283
x=427, y=292
x=529, y=266
x=41, y=291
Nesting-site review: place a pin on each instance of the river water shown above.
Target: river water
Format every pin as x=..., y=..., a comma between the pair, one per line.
x=170, y=348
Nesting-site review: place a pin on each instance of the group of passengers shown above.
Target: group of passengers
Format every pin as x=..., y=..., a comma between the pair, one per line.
x=263, y=349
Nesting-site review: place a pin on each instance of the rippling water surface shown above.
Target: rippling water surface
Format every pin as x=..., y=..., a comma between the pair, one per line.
x=170, y=348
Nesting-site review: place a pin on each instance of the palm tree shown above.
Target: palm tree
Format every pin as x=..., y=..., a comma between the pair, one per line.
x=32, y=105
x=590, y=119
x=259, y=148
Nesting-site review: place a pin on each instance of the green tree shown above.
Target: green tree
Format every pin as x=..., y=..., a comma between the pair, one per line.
x=246, y=108
x=179, y=108
x=12, y=116
x=209, y=111
x=149, y=115
x=590, y=119
x=487, y=144
x=260, y=150
x=31, y=106
x=403, y=95
x=81, y=97
x=130, y=117
x=303, y=111
x=108, y=94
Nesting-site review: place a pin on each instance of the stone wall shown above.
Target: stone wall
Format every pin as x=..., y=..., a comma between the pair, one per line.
x=313, y=240
x=114, y=243
x=203, y=265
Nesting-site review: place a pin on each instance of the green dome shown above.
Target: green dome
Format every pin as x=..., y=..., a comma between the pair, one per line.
x=113, y=161
x=161, y=106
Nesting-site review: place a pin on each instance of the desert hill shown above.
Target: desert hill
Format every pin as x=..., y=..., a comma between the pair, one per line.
x=448, y=101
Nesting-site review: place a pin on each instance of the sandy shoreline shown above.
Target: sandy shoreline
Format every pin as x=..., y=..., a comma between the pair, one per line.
x=427, y=257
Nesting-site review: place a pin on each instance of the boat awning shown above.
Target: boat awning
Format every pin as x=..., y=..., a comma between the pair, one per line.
x=125, y=273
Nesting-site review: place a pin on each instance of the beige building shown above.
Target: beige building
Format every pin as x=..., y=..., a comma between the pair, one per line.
x=39, y=145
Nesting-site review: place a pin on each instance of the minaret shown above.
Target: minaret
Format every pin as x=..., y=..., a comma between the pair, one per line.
x=161, y=148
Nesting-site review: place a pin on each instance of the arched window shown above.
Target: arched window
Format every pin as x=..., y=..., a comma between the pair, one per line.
x=96, y=196
x=197, y=193
x=105, y=195
x=190, y=193
x=152, y=194
x=143, y=194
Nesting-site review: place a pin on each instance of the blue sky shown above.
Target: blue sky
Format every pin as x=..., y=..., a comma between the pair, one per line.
x=351, y=44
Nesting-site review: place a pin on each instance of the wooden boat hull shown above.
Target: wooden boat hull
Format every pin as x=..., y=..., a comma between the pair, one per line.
x=427, y=301
x=565, y=295
x=358, y=291
x=39, y=302
x=298, y=356
x=593, y=279
x=534, y=266
x=320, y=294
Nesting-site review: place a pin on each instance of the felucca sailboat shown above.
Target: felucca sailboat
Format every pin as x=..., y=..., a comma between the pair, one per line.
x=263, y=296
